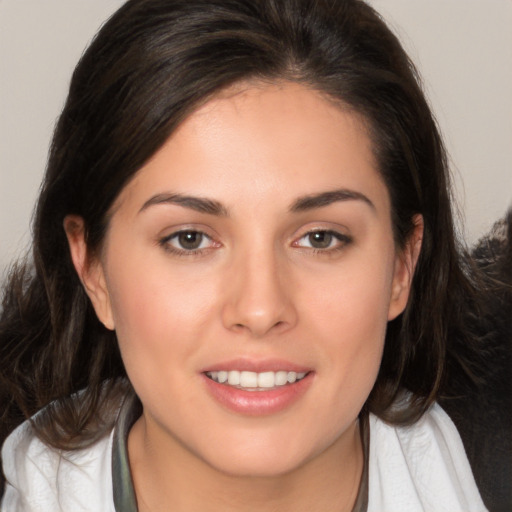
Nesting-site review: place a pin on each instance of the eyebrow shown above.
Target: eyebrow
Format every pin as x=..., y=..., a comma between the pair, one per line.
x=199, y=204
x=212, y=207
x=322, y=199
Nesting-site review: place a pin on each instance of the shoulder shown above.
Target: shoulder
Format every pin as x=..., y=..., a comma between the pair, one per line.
x=420, y=467
x=41, y=478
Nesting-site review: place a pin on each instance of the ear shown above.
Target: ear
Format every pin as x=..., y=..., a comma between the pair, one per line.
x=89, y=270
x=405, y=263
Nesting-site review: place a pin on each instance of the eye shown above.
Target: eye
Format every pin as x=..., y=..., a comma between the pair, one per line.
x=187, y=241
x=323, y=240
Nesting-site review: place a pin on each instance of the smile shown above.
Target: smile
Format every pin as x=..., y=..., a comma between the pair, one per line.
x=257, y=393
x=253, y=381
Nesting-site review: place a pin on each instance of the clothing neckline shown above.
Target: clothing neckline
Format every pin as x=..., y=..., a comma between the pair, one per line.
x=122, y=481
x=125, y=499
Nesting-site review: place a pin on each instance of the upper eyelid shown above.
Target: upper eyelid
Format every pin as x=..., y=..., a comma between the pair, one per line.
x=186, y=230
x=341, y=239
x=324, y=230
x=337, y=233
x=333, y=231
x=166, y=242
x=175, y=234
x=205, y=232
x=174, y=231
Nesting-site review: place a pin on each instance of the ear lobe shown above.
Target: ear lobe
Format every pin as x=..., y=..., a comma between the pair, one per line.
x=89, y=270
x=405, y=264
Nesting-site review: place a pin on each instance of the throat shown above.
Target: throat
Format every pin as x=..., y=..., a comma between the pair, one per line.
x=165, y=480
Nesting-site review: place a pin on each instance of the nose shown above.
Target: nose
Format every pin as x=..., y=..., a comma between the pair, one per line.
x=259, y=298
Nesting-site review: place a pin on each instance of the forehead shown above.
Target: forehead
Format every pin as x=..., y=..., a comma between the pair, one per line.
x=292, y=110
x=279, y=139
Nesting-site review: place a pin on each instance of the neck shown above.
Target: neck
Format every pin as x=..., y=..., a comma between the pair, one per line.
x=177, y=480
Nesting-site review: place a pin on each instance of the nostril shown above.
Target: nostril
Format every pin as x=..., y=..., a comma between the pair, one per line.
x=279, y=324
x=239, y=327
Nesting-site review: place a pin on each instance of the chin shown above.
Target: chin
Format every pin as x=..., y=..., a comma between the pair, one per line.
x=263, y=454
x=244, y=465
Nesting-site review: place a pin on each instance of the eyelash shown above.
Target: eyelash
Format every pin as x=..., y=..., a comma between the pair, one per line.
x=343, y=241
x=165, y=242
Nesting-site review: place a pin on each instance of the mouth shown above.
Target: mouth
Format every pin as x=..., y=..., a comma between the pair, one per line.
x=256, y=381
x=257, y=388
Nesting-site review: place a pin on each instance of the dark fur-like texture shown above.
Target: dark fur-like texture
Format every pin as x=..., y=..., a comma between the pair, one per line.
x=483, y=413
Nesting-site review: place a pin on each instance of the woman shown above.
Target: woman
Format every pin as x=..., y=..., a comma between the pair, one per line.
x=246, y=286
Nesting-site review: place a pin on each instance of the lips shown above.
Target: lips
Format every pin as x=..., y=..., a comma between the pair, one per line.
x=257, y=388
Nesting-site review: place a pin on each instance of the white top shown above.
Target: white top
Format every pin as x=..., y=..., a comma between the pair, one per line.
x=422, y=468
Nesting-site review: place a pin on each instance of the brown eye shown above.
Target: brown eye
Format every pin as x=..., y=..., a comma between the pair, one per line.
x=323, y=240
x=320, y=239
x=189, y=240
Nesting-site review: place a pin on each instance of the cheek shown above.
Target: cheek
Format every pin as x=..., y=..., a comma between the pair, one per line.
x=353, y=302
x=159, y=313
x=350, y=315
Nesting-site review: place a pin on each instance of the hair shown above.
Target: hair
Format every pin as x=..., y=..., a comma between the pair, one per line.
x=148, y=68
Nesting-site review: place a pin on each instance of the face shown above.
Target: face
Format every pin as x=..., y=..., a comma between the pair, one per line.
x=249, y=271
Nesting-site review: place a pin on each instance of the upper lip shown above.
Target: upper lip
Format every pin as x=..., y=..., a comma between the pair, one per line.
x=257, y=365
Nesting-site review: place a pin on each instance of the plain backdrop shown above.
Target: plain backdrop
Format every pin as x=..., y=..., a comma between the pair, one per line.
x=463, y=49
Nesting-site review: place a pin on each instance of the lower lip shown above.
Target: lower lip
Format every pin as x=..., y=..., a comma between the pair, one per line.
x=258, y=403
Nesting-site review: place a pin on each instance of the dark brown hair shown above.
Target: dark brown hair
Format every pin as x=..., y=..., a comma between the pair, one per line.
x=150, y=65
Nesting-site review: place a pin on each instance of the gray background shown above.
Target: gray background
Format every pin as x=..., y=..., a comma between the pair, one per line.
x=463, y=49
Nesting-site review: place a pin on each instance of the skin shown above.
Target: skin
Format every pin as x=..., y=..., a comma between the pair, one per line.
x=259, y=288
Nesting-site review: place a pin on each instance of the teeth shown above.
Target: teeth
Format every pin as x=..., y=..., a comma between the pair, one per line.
x=248, y=379
x=253, y=380
x=234, y=378
x=266, y=380
x=281, y=378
